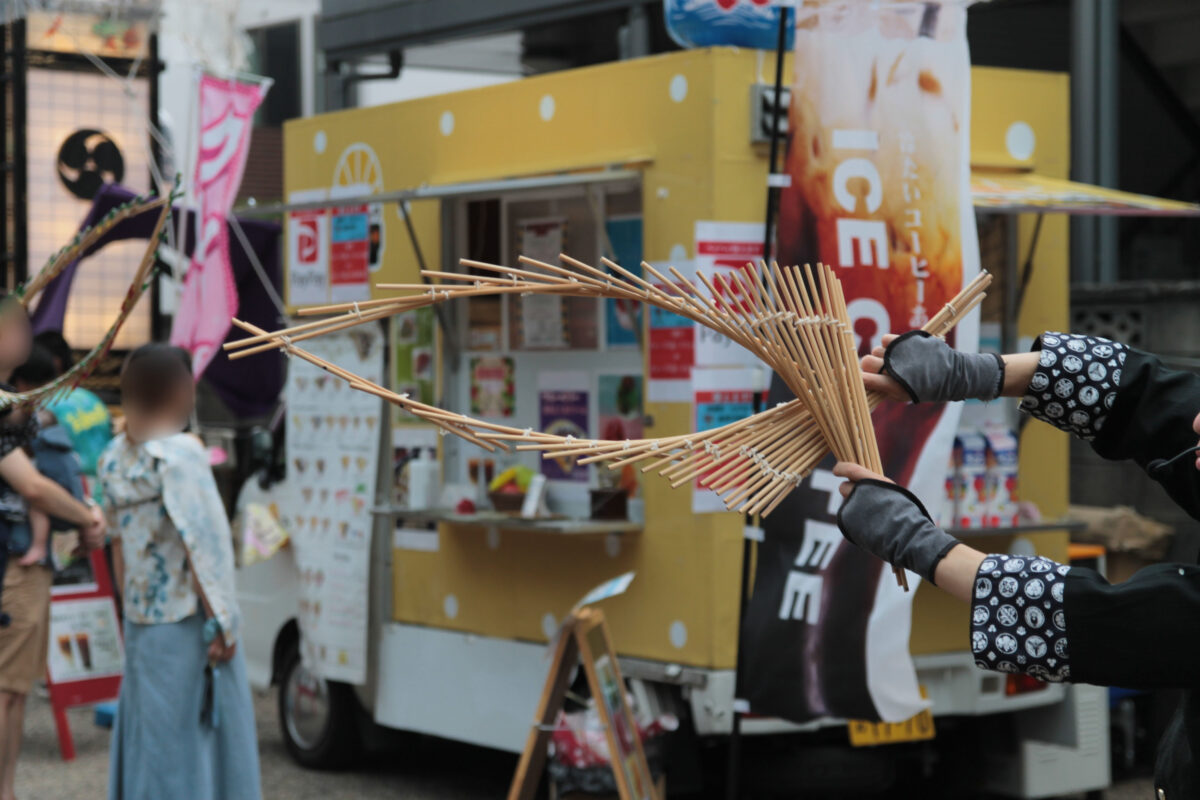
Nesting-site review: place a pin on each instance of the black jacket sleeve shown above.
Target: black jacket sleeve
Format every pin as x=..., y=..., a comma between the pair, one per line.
x=1061, y=623
x=1140, y=634
x=1122, y=400
x=1152, y=418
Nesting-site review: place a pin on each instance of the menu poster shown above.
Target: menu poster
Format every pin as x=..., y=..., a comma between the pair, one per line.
x=723, y=248
x=85, y=640
x=563, y=411
x=542, y=323
x=308, y=251
x=349, y=248
x=623, y=318
x=619, y=402
x=720, y=397
x=672, y=347
x=413, y=349
x=626, y=758
x=493, y=387
x=332, y=458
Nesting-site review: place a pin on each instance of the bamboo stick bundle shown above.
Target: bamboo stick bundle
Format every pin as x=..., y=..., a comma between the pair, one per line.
x=794, y=319
x=671, y=458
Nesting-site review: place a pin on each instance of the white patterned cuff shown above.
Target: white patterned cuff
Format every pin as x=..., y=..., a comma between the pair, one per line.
x=1017, y=619
x=1075, y=383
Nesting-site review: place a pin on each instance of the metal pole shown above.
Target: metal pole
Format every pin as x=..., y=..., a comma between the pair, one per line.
x=1107, y=154
x=772, y=191
x=5, y=163
x=20, y=184
x=634, y=38
x=732, y=777
x=1083, y=132
x=159, y=329
x=439, y=309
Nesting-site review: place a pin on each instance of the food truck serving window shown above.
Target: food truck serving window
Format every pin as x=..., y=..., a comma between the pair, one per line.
x=525, y=358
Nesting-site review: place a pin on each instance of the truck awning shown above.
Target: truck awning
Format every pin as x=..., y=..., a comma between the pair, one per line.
x=1013, y=192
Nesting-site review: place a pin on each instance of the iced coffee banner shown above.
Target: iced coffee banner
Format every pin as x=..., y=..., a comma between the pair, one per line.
x=878, y=160
x=332, y=460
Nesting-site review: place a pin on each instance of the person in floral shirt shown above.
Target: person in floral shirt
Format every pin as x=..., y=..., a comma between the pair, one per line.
x=185, y=724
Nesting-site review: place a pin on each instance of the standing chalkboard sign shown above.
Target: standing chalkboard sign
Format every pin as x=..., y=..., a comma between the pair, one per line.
x=584, y=640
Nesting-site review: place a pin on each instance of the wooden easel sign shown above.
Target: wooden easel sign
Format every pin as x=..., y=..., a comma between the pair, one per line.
x=585, y=640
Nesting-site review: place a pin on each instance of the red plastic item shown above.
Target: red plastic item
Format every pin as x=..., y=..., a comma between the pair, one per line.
x=1023, y=684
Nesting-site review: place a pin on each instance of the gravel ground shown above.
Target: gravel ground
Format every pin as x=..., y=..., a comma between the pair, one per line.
x=413, y=769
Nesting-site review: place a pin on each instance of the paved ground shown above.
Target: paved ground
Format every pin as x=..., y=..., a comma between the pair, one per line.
x=416, y=770
x=427, y=770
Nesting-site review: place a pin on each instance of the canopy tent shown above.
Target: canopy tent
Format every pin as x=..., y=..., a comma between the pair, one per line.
x=1014, y=192
x=250, y=387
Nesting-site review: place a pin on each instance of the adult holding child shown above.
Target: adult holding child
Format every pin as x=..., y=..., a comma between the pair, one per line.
x=26, y=588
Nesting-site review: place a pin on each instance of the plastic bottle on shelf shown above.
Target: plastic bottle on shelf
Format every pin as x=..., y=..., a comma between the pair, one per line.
x=423, y=481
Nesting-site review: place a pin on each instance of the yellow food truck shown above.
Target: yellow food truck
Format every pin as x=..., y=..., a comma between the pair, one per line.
x=460, y=613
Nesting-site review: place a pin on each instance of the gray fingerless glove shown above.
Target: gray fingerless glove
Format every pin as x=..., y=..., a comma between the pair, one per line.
x=890, y=523
x=930, y=370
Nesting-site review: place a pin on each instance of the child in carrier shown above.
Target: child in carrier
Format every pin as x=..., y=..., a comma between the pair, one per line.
x=54, y=457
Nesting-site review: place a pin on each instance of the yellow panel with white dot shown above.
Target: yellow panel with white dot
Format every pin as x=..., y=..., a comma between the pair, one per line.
x=684, y=118
x=1019, y=119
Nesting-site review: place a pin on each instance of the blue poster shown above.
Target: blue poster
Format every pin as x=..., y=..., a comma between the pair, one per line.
x=348, y=227
x=623, y=318
x=741, y=23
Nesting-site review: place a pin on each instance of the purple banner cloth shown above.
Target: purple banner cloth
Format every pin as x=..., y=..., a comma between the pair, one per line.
x=249, y=387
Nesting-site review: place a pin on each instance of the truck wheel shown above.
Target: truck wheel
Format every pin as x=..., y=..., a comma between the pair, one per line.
x=317, y=717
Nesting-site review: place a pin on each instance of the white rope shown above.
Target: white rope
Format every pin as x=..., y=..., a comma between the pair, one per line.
x=259, y=270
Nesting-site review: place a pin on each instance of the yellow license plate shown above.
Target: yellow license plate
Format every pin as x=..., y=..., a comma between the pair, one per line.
x=870, y=734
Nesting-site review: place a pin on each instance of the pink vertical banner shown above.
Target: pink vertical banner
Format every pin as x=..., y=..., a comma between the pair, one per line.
x=209, y=298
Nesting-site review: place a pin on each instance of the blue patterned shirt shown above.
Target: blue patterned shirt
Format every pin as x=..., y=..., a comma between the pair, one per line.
x=162, y=503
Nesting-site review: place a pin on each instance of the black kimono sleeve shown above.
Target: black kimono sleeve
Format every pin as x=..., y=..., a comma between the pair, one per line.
x=1125, y=402
x=1061, y=623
